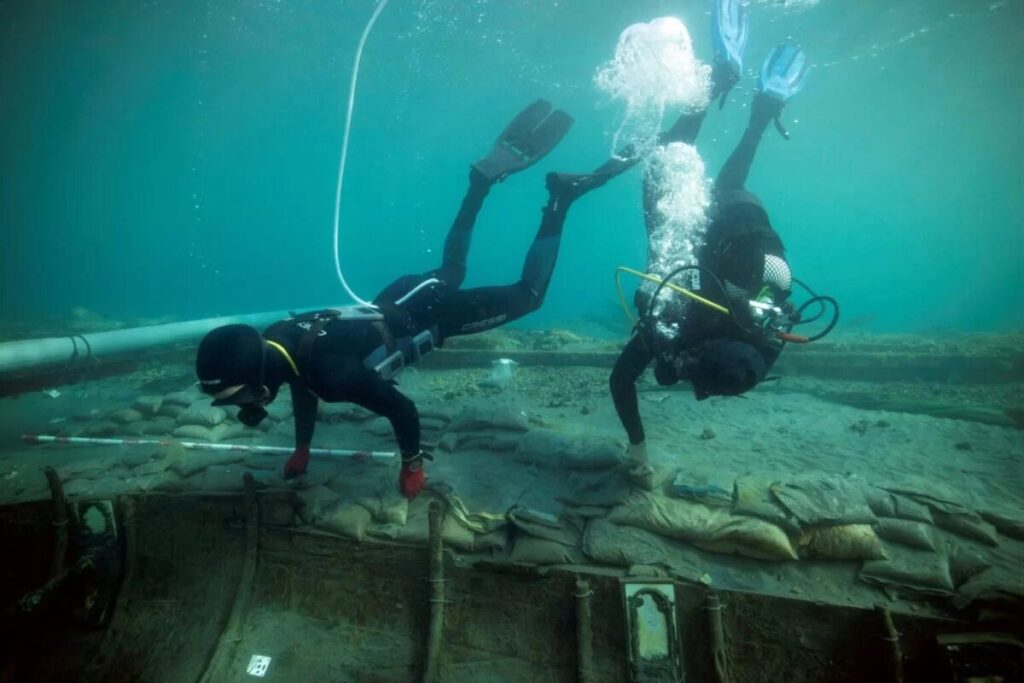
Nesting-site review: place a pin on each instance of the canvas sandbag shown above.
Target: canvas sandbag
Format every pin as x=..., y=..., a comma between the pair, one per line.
x=716, y=528
x=180, y=398
x=592, y=452
x=1001, y=586
x=188, y=463
x=148, y=405
x=202, y=414
x=526, y=522
x=1006, y=522
x=125, y=416
x=539, y=551
x=825, y=499
x=913, y=534
x=161, y=426
x=171, y=410
x=911, y=571
x=590, y=489
x=753, y=497
x=841, y=542
x=965, y=563
x=708, y=485
x=387, y=505
x=966, y=523
x=222, y=478
x=346, y=518
x=621, y=546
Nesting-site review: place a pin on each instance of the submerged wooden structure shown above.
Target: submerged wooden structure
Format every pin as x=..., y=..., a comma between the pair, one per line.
x=231, y=588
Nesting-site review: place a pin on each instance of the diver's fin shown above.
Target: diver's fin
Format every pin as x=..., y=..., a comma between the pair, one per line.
x=783, y=76
x=784, y=73
x=526, y=139
x=729, y=28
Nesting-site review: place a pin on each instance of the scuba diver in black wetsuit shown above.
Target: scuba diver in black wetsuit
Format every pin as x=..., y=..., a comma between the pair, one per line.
x=725, y=339
x=352, y=354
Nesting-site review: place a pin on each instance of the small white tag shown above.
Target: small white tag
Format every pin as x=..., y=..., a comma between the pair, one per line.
x=258, y=666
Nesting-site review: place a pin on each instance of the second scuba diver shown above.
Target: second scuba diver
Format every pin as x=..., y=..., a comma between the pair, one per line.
x=352, y=354
x=726, y=338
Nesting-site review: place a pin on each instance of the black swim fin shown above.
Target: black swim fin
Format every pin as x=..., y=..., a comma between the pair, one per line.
x=526, y=139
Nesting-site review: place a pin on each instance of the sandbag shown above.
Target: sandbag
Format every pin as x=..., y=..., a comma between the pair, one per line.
x=172, y=410
x=197, y=432
x=880, y=501
x=527, y=522
x=531, y=550
x=346, y=518
x=226, y=431
x=504, y=442
x=316, y=501
x=417, y=528
x=592, y=452
x=386, y=506
x=1001, y=587
x=753, y=497
x=966, y=523
x=841, y=542
x=708, y=485
x=203, y=415
x=913, y=534
x=911, y=571
x=187, y=463
x=964, y=563
x=223, y=478
x=717, y=528
x=621, y=546
x=279, y=410
x=160, y=427
x=100, y=429
x=180, y=398
x=125, y=416
x=907, y=508
x=605, y=489
x=824, y=499
x=136, y=429
x=148, y=405
x=1005, y=522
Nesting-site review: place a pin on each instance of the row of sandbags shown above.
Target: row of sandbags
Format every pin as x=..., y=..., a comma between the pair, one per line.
x=906, y=541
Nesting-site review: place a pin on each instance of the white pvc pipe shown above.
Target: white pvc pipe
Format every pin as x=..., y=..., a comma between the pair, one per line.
x=75, y=352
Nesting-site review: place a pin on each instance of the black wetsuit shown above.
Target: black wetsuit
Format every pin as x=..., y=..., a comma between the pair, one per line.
x=334, y=368
x=735, y=244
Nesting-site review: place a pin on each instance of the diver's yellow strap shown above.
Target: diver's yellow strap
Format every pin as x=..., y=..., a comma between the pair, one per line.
x=653, y=278
x=287, y=356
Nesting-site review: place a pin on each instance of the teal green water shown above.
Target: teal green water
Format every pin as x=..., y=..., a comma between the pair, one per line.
x=179, y=158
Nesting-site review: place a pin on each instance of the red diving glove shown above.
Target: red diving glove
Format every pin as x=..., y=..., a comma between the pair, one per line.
x=296, y=465
x=412, y=477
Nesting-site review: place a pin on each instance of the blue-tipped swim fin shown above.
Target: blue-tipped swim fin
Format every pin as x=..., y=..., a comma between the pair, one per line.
x=784, y=73
x=729, y=30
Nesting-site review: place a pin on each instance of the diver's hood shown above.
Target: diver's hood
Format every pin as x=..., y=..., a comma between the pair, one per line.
x=229, y=356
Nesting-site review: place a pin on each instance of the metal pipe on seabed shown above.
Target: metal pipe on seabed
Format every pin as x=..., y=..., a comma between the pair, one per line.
x=25, y=357
x=200, y=446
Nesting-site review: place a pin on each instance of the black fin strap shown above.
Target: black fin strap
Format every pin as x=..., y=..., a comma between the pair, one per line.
x=721, y=100
x=779, y=127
